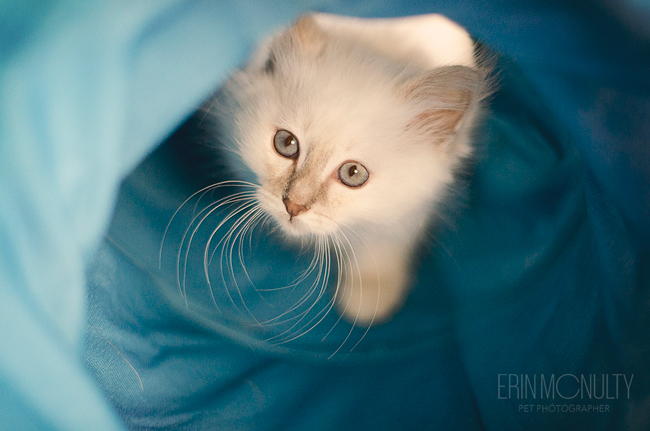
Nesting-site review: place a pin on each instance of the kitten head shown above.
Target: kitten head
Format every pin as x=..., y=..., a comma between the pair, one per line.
x=339, y=135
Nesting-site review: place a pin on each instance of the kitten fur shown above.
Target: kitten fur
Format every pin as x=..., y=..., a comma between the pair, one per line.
x=350, y=92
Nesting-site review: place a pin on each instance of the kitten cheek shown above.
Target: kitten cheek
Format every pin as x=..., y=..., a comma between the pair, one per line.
x=319, y=225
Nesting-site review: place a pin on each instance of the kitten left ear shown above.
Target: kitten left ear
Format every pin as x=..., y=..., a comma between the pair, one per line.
x=442, y=98
x=308, y=34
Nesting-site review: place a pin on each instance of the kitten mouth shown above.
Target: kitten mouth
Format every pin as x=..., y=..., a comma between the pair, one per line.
x=308, y=225
x=303, y=223
x=295, y=225
x=299, y=225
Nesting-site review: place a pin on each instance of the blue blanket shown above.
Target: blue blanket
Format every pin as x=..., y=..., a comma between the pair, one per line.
x=530, y=311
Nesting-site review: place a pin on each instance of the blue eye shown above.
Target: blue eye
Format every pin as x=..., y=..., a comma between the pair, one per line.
x=286, y=144
x=353, y=174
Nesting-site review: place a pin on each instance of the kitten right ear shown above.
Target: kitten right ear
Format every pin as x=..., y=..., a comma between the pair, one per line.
x=442, y=98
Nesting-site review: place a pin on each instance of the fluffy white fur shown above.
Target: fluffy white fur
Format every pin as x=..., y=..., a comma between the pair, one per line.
x=400, y=97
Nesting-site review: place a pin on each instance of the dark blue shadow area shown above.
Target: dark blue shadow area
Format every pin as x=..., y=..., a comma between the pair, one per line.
x=511, y=281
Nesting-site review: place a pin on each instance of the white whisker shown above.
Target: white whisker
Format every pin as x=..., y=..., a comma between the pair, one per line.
x=204, y=189
x=210, y=209
x=243, y=213
x=374, y=315
x=321, y=279
x=225, y=240
x=304, y=298
x=240, y=225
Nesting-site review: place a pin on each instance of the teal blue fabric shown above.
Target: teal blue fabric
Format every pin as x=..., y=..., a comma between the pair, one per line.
x=543, y=270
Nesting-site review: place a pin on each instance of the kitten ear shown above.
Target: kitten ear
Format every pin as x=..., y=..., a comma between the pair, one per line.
x=442, y=98
x=308, y=35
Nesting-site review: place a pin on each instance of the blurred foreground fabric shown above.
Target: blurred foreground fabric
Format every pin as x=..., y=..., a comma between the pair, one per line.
x=545, y=272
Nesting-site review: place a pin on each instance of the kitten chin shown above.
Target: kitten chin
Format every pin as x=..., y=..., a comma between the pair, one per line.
x=354, y=142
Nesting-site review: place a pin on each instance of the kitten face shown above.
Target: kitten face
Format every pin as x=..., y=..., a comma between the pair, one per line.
x=340, y=136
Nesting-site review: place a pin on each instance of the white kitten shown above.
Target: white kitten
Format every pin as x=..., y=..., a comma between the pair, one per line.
x=355, y=132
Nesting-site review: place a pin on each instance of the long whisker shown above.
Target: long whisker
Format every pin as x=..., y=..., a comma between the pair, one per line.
x=302, y=300
x=123, y=357
x=340, y=262
x=348, y=251
x=259, y=217
x=346, y=266
x=249, y=201
x=204, y=214
x=321, y=279
x=203, y=190
x=242, y=207
x=322, y=314
x=206, y=264
x=244, y=216
x=247, y=228
x=239, y=226
x=301, y=277
x=374, y=315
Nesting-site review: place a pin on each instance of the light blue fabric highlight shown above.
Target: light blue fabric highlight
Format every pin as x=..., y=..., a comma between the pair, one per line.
x=86, y=89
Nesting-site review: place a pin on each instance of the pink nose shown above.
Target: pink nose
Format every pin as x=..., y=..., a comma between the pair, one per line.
x=293, y=209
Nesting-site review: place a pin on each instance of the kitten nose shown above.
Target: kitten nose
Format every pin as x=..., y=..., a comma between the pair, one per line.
x=292, y=208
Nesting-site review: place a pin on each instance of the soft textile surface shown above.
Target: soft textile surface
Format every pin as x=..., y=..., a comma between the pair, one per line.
x=544, y=272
